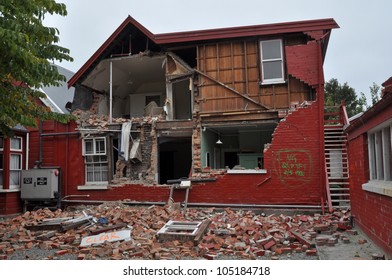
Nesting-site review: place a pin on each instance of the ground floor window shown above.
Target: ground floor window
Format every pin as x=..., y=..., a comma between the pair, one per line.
x=96, y=169
x=235, y=146
x=96, y=160
x=15, y=170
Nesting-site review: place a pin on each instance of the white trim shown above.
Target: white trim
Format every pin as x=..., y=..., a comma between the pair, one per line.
x=379, y=187
x=265, y=81
x=9, y=190
x=381, y=126
x=247, y=171
x=93, y=187
x=50, y=103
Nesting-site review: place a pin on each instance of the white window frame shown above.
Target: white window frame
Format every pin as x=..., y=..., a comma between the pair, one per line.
x=95, y=152
x=21, y=144
x=380, y=159
x=94, y=141
x=16, y=152
x=17, y=170
x=265, y=81
x=379, y=149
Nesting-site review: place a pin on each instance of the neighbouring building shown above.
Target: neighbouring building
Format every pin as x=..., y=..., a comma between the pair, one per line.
x=370, y=157
x=19, y=152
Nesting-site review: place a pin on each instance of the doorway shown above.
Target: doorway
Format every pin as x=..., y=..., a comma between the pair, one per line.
x=175, y=158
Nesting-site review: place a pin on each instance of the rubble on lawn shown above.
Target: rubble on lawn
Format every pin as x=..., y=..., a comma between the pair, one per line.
x=241, y=234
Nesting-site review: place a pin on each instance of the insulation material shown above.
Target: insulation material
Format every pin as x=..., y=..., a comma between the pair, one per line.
x=136, y=153
x=125, y=134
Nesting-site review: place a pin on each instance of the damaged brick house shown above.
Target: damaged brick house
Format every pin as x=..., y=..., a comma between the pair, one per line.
x=370, y=156
x=238, y=111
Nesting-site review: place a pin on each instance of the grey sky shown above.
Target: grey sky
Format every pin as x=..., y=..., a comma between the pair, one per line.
x=359, y=52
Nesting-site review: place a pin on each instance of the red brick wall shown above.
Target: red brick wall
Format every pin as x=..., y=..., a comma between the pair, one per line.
x=292, y=162
x=373, y=212
x=302, y=62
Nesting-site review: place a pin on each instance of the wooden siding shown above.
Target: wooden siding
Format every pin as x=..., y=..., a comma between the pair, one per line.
x=236, y=65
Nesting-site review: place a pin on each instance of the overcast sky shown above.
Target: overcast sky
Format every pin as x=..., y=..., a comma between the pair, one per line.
x=359, y=53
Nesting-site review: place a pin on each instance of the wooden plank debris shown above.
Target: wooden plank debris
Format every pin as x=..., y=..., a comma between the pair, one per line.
x=108, y=228
x=106, y=237
x=62, y=224
x=183, y=231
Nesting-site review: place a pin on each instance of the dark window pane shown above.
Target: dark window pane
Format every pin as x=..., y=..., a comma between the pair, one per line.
x=271, y=50
x=272, y=70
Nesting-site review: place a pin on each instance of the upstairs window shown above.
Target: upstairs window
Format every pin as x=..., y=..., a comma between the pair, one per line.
x=272, y=61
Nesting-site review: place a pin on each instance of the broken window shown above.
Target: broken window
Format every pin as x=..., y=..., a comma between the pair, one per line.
x=272, y=66
x=235, y=147
x=96, y=160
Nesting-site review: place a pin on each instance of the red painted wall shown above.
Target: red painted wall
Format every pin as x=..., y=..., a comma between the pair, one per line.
x=10, y=203
x=61, y=150
x=372, y=212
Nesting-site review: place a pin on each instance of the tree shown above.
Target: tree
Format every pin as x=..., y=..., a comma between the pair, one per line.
x=28, y=49
x=375, y=93
x=335, y=93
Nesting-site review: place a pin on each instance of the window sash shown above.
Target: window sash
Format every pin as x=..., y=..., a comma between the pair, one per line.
x=16, y=144
x=380, y=152
x=97, y=169
x=94, y=146
x=15, y=170
x=272, y=66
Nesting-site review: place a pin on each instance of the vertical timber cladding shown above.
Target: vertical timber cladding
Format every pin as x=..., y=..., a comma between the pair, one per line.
x=234, y=64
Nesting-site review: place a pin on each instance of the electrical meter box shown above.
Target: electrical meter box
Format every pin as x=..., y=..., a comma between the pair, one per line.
x=40, y=184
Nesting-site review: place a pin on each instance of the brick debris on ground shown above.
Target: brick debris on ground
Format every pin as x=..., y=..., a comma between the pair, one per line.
x=232, y=234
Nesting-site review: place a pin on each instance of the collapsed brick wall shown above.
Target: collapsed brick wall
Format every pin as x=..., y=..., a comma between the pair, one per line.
x=302, y=62
x=293, y=158
x=140, y=170
x=372, y=212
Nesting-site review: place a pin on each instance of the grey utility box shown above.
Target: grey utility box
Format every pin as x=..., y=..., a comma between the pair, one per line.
x=40, y=184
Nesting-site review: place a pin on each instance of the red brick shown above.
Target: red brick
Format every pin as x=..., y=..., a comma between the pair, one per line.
x=259, y=253
x=269, y=244
x=209, y=256
x=311, y=252
x=61, y=252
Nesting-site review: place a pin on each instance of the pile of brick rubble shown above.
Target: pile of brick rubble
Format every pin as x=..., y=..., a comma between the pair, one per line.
x=240, y=234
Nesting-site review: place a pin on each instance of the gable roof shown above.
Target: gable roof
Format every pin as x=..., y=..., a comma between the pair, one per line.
x=208, y=34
